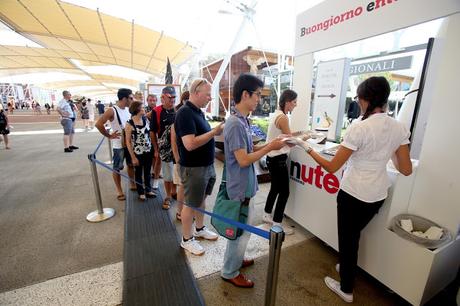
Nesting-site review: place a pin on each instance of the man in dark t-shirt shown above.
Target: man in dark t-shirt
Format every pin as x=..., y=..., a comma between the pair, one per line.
x=195, y=141
x=161, y=119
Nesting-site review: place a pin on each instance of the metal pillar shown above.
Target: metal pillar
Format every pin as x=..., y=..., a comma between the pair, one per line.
x=101, y=213
x=276, y=241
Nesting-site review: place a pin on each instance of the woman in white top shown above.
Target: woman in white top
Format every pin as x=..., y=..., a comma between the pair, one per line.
x=276, y=161
x=369, y=143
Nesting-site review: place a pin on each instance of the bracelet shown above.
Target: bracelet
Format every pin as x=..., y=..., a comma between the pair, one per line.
x=309, y=150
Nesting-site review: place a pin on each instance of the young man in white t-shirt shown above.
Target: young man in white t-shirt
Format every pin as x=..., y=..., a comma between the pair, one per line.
x=118, y=115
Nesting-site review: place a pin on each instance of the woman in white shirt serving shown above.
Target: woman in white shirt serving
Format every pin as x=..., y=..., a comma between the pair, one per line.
x=276, y=161
x=369, y=143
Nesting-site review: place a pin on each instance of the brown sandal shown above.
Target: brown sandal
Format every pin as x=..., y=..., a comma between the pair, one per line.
x=166, y=204
x=121, y=197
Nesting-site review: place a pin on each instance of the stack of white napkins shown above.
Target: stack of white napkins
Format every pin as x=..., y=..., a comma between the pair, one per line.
x=433, y=233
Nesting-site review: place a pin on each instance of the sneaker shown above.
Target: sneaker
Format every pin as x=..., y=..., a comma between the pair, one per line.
x=73, y=147
x=335, y=286
x=205, y=234
x=267, y=218
x=286, y=228
x=155, y=184
x=68, y=150
x=192, y=246
x=337, y=268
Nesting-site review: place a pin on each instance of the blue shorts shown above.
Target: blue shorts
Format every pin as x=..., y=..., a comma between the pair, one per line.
x=67, y=124
x=118, y=156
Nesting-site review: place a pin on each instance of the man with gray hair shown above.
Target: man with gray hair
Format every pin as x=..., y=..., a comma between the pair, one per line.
x=195, y=141
x=68, y=116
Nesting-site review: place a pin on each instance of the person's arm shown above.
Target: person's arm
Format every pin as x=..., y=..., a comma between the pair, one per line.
x=174, y=148
x=154, y=140
x=106, y=116
x=129, y=144
x=401, y=160
x=282, y=123
x=245, y=159
x=340, y=158
x=191, y=142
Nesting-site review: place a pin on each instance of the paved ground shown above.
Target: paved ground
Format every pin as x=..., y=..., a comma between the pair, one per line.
x=46, y=195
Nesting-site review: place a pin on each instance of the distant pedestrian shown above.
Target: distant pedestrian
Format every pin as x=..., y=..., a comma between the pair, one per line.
x=91, y=110
x=84, y=112
x=48, y=108
x=4, y=127
x=68, y=114
x=100, y=107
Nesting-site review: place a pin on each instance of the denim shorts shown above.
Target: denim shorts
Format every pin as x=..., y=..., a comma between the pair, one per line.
x=118, y=156
x=67, y=124
x=198, y=183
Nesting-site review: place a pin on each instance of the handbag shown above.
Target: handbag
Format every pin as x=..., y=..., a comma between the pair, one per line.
x=123, y=135
x=230, y=209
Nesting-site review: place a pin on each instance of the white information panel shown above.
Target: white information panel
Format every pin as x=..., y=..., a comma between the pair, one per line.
x=330, y=95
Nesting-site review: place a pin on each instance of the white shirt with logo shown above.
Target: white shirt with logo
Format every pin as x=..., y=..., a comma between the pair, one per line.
x=114, y=124
x=374, y=141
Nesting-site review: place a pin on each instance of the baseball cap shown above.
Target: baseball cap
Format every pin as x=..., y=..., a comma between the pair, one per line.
x=169, y=90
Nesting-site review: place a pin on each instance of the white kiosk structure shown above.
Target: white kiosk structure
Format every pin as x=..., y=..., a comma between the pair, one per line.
x=433, y=190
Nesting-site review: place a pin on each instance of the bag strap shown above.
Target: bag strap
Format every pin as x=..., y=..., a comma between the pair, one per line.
x=118, y=117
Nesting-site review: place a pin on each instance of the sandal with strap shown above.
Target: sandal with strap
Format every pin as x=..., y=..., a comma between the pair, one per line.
x=166, y=204
x=178, y=217
x=121, y=197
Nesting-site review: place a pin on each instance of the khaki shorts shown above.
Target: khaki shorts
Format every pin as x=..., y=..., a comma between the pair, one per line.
x=176, y=175
x=198, y=183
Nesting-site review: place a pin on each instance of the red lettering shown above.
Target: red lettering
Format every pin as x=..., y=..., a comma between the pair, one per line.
x=315, y=176
x=358, y=11
x=331, y=183
x=318, y=174
x=308, y=180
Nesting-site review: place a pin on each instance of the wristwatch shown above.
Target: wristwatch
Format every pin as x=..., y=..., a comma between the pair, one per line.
x=309, y=150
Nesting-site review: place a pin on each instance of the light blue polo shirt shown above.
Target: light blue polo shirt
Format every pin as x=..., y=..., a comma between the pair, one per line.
x=241, y=181
x=65, y=106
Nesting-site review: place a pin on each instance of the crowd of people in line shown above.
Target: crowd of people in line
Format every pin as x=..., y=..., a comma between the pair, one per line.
x=179, y=141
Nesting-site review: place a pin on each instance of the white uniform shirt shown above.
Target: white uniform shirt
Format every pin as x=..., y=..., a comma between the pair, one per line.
x=124, y=117
x=274, y=132
x=374, y=141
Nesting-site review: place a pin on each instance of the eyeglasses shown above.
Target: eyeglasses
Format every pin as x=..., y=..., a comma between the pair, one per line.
x=258, y=93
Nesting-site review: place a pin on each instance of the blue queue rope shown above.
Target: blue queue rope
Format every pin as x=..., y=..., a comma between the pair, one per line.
x=99, y=145
x=252, y=229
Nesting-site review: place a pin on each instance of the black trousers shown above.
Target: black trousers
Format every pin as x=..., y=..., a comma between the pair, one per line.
x=143, y=171
x=352, y=216
x=279, y=187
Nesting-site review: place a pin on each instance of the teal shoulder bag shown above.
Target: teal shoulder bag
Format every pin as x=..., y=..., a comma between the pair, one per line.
x=230, y=209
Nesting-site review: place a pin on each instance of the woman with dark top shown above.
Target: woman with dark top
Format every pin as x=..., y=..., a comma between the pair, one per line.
x=140, y=148
x=368, y=144
x=276, y=161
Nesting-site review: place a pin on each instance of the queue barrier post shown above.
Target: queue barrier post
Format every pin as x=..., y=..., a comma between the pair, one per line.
x=101, y=214
x=276, y=241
